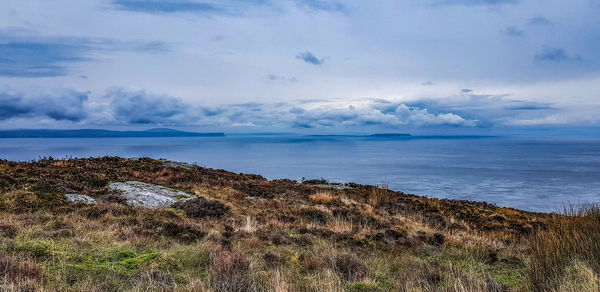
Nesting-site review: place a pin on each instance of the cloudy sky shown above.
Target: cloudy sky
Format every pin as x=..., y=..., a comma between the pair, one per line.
x=467, y=66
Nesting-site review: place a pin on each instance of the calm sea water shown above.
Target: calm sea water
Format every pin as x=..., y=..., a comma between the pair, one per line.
x=531, y=174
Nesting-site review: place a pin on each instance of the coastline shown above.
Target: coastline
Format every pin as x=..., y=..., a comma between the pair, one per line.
x=299, y=234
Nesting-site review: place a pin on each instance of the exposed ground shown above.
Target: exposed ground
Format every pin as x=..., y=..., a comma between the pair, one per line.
x=245, y=233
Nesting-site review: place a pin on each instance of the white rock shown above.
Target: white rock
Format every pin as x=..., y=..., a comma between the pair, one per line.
x=333, y=186
x=139, y=194
x=80, y=198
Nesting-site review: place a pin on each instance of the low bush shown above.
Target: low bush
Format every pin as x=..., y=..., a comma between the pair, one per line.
x=230, y=272
x=12, y=271
x=272, y=259
x=201, y=207
x=24, y=201
x=348, y=266
x=317, y=214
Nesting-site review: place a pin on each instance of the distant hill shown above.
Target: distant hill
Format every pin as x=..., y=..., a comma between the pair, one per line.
x=100, y=133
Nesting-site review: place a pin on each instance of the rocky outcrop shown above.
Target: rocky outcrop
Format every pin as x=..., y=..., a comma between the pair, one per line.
x=139, y=194
x=80, y=198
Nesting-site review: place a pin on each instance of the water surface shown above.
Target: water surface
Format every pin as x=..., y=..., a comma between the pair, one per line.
x=531, y=174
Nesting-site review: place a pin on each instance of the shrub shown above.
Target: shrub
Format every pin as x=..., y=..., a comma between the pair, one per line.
x=379, y=195
x=201, y=207
x=348, y=266
x=23, y=201
x=319, y=213
x=182, y=231
x=272, y=259
x=14, y=271
x=8, y=230
x=230, y=272
x=570, y=239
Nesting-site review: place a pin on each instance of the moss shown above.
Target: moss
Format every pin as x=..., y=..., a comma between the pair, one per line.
x=115, y=261
x=36, y=248
x=25, y=201
x=362, y=287
x=509, y=272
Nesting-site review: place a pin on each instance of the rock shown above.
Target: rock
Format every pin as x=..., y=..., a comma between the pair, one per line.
x=80, y=198
x=333, y=186
x=139, y=194
x=175, y=164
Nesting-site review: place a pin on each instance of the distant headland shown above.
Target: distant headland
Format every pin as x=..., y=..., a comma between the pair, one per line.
x=101, y=133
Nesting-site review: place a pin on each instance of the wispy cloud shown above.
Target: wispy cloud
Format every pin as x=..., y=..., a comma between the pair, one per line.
x=323, y=5
x=309, y=58
x=32, y=55
x=225, y=7
x=168, y=6
x=555, y=55
x=513, y=31
x=280, y=78
x=539, y=20
x=474, y=2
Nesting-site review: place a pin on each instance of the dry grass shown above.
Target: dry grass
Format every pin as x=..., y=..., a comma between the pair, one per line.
x=251, y=234
x=324, y=198
x=568, y=253
x=230, y=272
x=379, y=195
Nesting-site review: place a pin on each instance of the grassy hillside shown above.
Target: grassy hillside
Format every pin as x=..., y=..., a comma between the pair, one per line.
x=246, y=233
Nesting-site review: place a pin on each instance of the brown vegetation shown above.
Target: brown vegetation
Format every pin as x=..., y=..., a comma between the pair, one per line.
x=246, y=233
x=566, y=257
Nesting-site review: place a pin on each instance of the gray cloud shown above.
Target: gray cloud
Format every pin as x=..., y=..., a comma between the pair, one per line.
x=279, y=78
x=388, y=116
x=487, y=109
x=474, y=2
x=513, y=31
x=230, y=7
x=26, y=54
x=555, y=55
x=157, y=6
x=309, y=58
x=58, y=105
x=333, y=6
x=141, y=107
x=120, y=106
x=539, y=20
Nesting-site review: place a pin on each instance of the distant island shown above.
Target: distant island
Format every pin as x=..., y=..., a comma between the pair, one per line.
x=377, y=135
x=101, y=133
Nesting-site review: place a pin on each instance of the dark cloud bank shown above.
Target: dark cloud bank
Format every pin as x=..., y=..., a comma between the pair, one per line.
x=27, y=54
x=120, y=106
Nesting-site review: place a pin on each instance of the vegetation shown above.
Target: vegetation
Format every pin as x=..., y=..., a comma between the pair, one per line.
x=245, y=233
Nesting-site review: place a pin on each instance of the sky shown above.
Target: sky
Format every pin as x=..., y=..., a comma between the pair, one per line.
x=309, y=66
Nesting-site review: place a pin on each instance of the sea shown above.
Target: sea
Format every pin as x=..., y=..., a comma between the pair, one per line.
x=535, y=174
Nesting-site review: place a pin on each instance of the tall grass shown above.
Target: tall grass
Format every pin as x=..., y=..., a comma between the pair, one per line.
x=379, y=195
x=566, y=257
